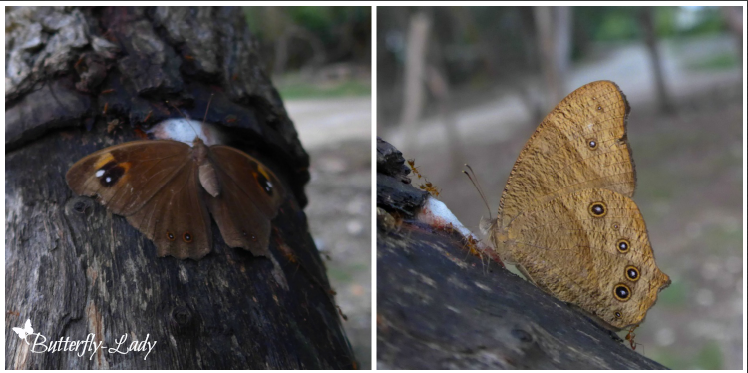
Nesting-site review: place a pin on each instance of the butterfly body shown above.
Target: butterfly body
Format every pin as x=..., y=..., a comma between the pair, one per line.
x=168, y=190
x=566, y=218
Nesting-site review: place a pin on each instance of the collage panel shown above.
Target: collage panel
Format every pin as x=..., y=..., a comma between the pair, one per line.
x=544, y=257
x=188, y=187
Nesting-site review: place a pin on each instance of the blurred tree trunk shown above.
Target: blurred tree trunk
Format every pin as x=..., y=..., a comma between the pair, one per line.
x=416, y=46
x=437, y=82
x=285, y=43
x=554, y=38
x=415, y=70
x=425, y=70
x=646, y=20
x=82, y=79
x=734, y=19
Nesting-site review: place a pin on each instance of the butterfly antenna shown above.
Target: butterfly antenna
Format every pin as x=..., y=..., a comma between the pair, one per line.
x=187, y=119
x=207, y=107
x=476, y=184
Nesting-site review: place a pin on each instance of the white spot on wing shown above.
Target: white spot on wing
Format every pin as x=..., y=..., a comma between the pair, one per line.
x=99, y=173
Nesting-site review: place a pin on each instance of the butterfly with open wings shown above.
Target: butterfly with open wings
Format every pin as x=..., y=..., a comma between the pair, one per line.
x=166, y=189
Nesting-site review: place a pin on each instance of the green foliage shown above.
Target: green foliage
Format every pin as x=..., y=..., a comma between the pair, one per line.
x=716, y=62
x=292, y=38
x=710, y=356
x=669, y=360
x=622, y=23
x=665, y=22
x=317, y=19
x=322, y=21
x=722, y=238
x=606, y=23
x=309, y=90
x=619, y=24
x=674, y=295
x=711, y=21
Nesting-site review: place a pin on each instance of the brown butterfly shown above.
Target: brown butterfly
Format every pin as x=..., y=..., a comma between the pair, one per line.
x=566, y=217
x=166, y=189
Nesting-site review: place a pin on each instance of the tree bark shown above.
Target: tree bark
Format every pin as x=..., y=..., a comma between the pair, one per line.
x=82, y=79
x=438, y=307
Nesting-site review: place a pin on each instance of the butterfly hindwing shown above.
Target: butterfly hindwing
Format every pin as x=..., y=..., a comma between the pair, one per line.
x=249, y=199
x=599, y=235
x=176, y=218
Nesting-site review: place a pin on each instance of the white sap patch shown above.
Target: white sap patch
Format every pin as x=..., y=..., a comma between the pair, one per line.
x=185, y=130
x=99, y=173
x=435, y=213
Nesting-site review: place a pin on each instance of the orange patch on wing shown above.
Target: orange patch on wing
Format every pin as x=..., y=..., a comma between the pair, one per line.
x=103, y=160
x=126, y=174
x=263, y=171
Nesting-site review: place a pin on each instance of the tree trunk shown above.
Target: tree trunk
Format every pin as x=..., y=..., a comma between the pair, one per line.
x=439, y=307
x=734, y=18
x=82, y=79
x=414, y=95
x=646, y=20
x=554, y=34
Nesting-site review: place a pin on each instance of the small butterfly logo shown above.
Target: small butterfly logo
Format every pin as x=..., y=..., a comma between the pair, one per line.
x=25, y=332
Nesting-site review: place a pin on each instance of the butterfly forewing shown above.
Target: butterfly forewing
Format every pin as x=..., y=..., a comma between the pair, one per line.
x=580, y=144
x=126, y=176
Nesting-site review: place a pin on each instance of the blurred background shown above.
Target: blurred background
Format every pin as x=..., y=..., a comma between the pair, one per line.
x=320, y=61
x=470, y=85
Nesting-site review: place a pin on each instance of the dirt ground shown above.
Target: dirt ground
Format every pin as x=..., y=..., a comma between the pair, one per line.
x=689, y=190
x=337, y=135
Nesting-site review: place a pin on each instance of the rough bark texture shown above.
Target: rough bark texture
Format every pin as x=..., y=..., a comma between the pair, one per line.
x=439, y=307
x=81, y=79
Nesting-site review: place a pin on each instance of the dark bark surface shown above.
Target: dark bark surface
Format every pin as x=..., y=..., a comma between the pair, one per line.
x=79, y=80
x=439, y=307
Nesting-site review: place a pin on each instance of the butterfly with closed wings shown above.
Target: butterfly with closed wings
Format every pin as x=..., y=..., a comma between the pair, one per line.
x=566, y=217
